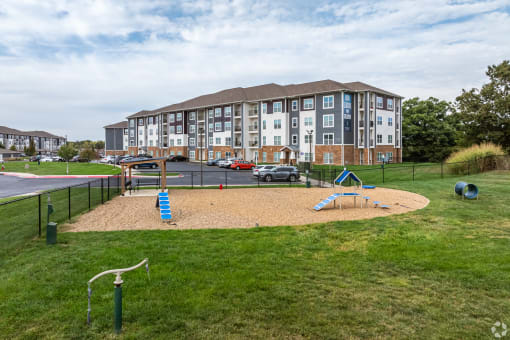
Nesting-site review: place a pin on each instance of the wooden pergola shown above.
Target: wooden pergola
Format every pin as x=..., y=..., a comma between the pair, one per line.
x=129, y=164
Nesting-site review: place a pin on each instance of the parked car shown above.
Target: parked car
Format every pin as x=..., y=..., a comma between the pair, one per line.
x=177, y=158
x=107, y=160
x=227, y=162
x=35, y=158
x=280, y=173
x=57, y=159
x=242, y=165
x=78, y=159
x=46, y=159
x=146, y=166
x=214, y=161
x=144, y=156
x=259, y=168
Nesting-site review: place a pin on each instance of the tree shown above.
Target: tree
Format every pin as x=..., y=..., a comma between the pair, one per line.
x=12, y=148
x=99, y=145
x=485, y=114
x=88, y=153
x=67, y=152
x=31, y=151
x=2, y=146
x=429, y=132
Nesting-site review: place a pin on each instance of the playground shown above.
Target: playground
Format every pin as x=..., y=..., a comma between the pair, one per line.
x=240, y=208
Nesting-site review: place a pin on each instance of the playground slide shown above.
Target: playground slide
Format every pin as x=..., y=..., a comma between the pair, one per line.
x=328, y=200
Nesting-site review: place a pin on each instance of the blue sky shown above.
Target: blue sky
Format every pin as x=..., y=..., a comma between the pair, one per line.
x=71, y=67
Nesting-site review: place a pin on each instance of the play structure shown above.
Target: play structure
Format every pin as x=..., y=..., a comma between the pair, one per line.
x=163, y=203
x=355, y=193
x=129, y=164
x=466, y=190
x=117, y=291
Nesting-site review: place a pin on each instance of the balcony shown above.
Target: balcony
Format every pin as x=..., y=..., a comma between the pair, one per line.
x=361, y=143
x=397, y=126
x=253, y=143
x=237, y=128
x=237, y=114
x=371, y=142
x=237, y=144
x=361, y=123
x=253, y=113
x=201, y=117
x=253, y=128
x=371, y=123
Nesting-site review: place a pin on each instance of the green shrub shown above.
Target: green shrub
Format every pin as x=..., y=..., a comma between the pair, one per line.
x=477, y=158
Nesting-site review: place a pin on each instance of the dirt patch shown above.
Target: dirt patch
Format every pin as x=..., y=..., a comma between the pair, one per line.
x=240, y=208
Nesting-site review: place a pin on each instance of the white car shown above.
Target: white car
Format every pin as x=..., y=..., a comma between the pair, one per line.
x=107, y=160
x=259, y=168
x=227, y=162
x=46, y=159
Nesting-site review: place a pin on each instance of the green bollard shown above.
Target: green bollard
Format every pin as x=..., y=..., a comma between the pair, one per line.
x=51, y=233
x=118, y=308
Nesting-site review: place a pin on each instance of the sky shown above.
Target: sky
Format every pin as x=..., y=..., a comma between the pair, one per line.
x=72, y=67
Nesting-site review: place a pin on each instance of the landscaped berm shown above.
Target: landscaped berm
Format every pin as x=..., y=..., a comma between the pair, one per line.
x=242, y=208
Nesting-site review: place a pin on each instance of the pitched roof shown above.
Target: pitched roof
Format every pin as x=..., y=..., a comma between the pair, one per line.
x=119, y=125
x=5, y=151
x=262, y=92
x=9, y=131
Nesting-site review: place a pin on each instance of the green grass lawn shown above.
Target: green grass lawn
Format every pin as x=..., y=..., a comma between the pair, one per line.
x=438, y=273
x=59, y=168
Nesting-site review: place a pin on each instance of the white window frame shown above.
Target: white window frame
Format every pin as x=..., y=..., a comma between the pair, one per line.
x=211, y=127
x=330, y=122
x=294, y=122
x=179, y=116
x=217, y=126
x=263, y=108
x=132, y=133
x=389, y=103
x=389, y=156
x=228, y=126
x=192, y=154
x=217, y=141
x=307, y=139
x=218, y=154
x=379, y=156
x=264, y=124
x=132, y=123
x=264, y=140
x=171, y=129
x=390, y=121
x=330, y=104
x=227, y=111
x=171, y=118
x=277, y=124
x=327, y=158
x=140, y=121
x=179, y=129
x=390, y=139
x=192, y=116
x=276, y=156
x=211, y=140
x=276, y=104
x=277, y=139
x=264, y=157
x=192, y=129
x=377, y=139
x=329, y=134
x=377, y=102
x=294, y=139
x=308, y=107
x=308, y=121
x=379, y=120
x=217, y=112
x=179, y=141
x=192, y=141
x=228, y=141
x=294, y=105
x=210, y=154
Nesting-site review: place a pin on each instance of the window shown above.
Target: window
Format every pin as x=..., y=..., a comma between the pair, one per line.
x=228, y=126
x=210, y=113
x=277, y=123
x=308, y=104
x=192, y=141
x=379, y=139
x=389, y=102
x=308, y=121
x=140, y=132
x=277, y=140
x=328, y=158
x=192, y=154
x=294, y=122
x=179, y=116
x=228, y=154
x=308, y=139
x=294, y=105
x=264, y=139
x=179, y=141
x=217, y=112
x=380, y=102
x=328, y=121
x=211, y=127
x=131, y=133
x=192, y=129
x=277, y=107
x=192, y=116
x=217, y=126
x=210, y=154
x=172, y=129
x=150, y=143
x=172, y=118
x=390, y=121
x=390, y=139
x=294, y=139
x=218, y=140
x=328, y=102
x=389, y=156
x=379, y=120
x=328, y=138
x=172, y=142
x=211, y=140
x=218, y=154
x=264, y=157
x=140, y=121
x=228, y=111
x=263, y=125
x=132, y=123
x=179, y=128
x=131, y=143
x=140, y=143
x=150, y=121
x=307, y=157
x=276, y=157
x=264, y=107
x=151, y=132
x=228, y=141
x=379, y=157
x=179, y=153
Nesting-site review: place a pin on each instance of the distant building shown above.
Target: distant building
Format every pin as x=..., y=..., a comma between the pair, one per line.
x=4, y=154
x=116, y=139
x=45, y=142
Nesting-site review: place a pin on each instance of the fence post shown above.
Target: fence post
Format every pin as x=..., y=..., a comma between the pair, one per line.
x=108, y=192
x=89, y=194
x=39, y=198
x=383, y=173
x=226, y=180
x=191, y=179
x=69, y=200
x=102, y=201
x=413, y=172
x=258, y=180
x=441, y=169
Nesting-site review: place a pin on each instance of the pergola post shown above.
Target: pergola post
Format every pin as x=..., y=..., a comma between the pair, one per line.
x=163, y=175
x=122, y=180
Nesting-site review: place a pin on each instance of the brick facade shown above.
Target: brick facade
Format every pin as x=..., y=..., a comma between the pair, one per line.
x=270, y=150
x=384, y=149
x=336, y=150
x=115, y=152
x=223, y=150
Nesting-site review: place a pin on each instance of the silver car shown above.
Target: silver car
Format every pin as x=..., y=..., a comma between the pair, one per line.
x=259, y=168
x=280, y=173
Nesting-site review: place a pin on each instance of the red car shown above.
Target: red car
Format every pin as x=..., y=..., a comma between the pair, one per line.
x=244, y=165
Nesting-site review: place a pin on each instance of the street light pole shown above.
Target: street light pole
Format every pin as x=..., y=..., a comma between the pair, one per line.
x=310, y=133
x=201, y=132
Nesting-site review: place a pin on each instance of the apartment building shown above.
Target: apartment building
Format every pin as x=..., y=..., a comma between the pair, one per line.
x=45, y=142
x=116, y=139
x=327, y=122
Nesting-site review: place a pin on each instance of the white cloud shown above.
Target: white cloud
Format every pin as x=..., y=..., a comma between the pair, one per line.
x=76, y=87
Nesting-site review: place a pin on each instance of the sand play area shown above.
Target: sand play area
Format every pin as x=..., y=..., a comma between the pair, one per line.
x=240, y=208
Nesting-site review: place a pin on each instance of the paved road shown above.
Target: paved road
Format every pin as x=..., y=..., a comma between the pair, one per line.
x=14, y=186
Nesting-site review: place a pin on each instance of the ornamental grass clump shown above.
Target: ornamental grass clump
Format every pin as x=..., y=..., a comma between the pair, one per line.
x=477, y=158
